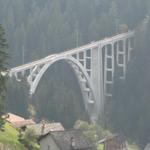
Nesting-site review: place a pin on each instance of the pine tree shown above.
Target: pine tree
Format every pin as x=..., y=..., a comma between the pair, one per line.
x=3, y=56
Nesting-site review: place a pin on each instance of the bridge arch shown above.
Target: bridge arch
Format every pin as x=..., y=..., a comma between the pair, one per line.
x=83, y=79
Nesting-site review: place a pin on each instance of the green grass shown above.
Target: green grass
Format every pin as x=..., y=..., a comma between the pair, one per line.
x=9, y=137
x=133, y=147
x=100, y=147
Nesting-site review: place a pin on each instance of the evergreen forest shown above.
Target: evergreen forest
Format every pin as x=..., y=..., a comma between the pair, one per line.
x=37, y=28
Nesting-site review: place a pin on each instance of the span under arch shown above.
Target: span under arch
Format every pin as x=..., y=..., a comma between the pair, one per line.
x=83, y=78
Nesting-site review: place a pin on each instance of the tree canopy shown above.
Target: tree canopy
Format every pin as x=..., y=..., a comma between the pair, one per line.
x=39, y=28
x=3, y=56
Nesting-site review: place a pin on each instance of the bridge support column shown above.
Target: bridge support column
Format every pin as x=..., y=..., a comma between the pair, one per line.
x=97, y=78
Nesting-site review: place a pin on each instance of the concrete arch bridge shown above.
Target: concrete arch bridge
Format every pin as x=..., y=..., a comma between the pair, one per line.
x=94, y=65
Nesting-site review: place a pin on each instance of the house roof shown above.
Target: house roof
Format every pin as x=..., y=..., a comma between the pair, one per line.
x=118, y=137
x=48, y=127
x=24, y=123
x=63, y=139
x=17, y=121
x=12, y=118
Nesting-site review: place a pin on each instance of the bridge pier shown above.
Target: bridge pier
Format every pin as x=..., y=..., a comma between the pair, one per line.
x=97, y=78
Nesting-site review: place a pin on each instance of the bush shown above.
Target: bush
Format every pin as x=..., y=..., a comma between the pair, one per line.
x=29, y=139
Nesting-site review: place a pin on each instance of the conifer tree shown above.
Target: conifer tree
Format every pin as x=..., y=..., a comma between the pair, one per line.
x=3, y=56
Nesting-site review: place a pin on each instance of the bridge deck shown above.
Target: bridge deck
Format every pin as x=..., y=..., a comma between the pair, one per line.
x=71, y=52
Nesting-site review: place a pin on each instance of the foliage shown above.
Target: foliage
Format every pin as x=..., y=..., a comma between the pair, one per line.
x=132, y=147
x=9, y=138
x=38, y=28
x=92, y=132
x=29, y=139
x=31, y=111
x=131, y=98
x=17, y=97
x=100, y=147
x=65, y=106
x=3, y=56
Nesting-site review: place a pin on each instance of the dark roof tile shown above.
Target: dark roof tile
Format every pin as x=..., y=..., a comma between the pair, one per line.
x=63, y=139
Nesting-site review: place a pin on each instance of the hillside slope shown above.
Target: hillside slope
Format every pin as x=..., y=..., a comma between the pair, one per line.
x=9, y=138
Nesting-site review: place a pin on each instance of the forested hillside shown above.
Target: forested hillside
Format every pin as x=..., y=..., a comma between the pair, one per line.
x=37, y=28
x=132, y=97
